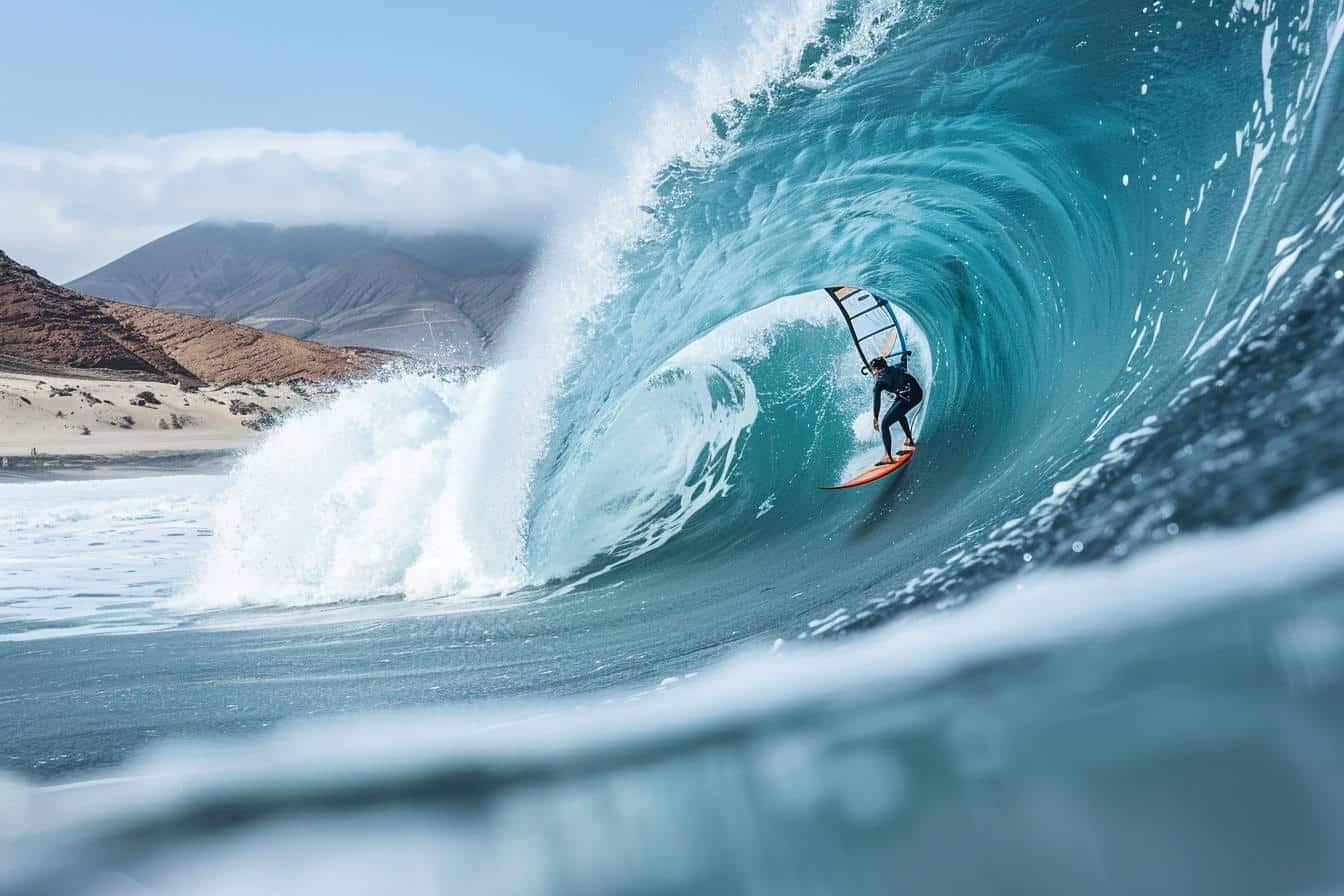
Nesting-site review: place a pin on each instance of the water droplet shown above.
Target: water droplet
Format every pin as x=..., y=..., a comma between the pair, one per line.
x=1026, y=558
x=1077, y=547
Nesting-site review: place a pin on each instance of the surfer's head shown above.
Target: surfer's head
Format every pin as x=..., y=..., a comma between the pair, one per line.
x=877, y=365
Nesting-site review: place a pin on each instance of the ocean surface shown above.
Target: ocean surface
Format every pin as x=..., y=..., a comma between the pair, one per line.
x=586, y=623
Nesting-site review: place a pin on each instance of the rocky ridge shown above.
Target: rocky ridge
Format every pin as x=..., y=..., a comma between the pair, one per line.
x=45, y=328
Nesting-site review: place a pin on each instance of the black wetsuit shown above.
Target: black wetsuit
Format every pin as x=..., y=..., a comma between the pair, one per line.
x=906, y=393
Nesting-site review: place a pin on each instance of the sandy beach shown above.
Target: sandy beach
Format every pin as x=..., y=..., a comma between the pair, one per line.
x=64, y=417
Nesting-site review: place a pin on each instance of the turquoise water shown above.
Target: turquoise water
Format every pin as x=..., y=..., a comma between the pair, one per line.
x=1105, y=646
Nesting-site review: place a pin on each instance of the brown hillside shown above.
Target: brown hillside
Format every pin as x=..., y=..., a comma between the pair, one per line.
x=45, y=327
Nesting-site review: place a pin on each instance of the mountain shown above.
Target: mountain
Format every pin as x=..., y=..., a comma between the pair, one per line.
x=377, y=296
x=45, y=328
x=439, y=295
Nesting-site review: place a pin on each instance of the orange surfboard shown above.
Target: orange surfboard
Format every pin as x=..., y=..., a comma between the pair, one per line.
x=875, y=473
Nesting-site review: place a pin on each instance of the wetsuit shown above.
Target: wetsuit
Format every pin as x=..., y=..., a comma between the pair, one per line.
x=906, y=393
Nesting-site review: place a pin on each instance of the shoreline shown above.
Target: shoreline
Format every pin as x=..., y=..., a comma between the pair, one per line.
x=71, y=467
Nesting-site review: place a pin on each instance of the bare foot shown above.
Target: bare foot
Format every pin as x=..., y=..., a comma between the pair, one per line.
x=886, y=459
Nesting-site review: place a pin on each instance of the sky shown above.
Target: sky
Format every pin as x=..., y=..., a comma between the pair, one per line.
x=121, y=122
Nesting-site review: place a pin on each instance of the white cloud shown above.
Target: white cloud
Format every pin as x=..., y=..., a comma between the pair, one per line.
x=68, y=209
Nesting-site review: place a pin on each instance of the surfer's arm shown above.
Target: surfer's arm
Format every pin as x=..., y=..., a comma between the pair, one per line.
x=877, y=400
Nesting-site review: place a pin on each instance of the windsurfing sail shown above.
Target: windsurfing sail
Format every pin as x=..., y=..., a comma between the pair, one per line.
x=872, y=323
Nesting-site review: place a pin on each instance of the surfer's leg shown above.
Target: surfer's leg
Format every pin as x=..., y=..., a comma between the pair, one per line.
x=894, y=416
x=888, y=421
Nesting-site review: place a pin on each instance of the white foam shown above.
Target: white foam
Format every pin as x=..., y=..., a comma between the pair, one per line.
x=339, y=504
x=88, y=556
